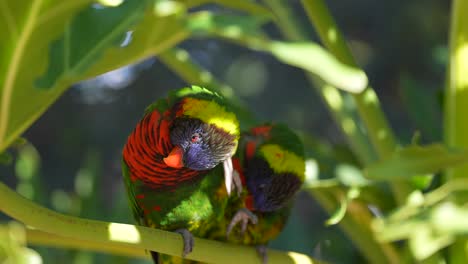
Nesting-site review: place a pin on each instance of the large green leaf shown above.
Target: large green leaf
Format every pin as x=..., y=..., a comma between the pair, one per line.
x=52, y=44
x=168, y=24
x=163, y=26
x=83, y=42
x=28, y=29
x=416, y=160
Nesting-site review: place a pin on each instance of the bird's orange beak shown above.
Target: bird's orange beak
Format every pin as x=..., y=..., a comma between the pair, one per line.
x=175, y=158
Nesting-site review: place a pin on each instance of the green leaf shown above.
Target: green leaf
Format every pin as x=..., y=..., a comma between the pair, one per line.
x=315, y=59
x=83, y=42
x=31, y=27
x=163, y=26
x=416, y=160
x=421, y=182
x=28, y=29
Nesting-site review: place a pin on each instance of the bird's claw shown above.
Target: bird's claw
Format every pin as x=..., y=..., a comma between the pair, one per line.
x=188, y=241
x=244, y=216
x=262, y=253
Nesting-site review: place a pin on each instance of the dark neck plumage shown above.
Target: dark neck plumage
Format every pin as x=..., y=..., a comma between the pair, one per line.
x=145, y=149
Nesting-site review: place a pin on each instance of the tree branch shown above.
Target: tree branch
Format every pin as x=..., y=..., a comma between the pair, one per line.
x=112, y=235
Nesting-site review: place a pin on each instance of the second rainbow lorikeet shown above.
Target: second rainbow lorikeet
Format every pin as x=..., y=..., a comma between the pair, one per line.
x=172, y=164
x=271, y=164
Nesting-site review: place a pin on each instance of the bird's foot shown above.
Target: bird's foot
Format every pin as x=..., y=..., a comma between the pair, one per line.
x=188, y=241
x=262, y=253
x=243, y=216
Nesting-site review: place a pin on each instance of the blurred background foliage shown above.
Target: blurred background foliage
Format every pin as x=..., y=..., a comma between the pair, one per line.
x=71, y=160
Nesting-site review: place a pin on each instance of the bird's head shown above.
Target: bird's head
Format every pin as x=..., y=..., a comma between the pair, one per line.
x=204, y=132
x=276, y=170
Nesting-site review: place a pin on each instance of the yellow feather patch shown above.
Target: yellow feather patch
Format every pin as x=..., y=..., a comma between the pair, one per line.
x=283, y=161
x=211, y=113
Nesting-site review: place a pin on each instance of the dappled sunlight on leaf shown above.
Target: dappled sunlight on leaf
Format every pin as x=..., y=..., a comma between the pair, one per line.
x=168, y=8
x=112, y=3
x=123, y=233
x=299, y=258
x=461, y=55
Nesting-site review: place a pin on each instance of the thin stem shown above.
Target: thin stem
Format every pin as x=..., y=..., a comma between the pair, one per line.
x=456, y=106
x=130, y=236
x=346, y=118
x=456, y=97
x=367, y=103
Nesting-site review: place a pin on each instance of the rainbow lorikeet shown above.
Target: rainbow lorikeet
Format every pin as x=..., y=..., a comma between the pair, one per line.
x=270, y=160
x=170, y=163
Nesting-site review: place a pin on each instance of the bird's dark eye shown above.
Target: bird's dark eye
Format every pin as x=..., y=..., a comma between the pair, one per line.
x=195, y=138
